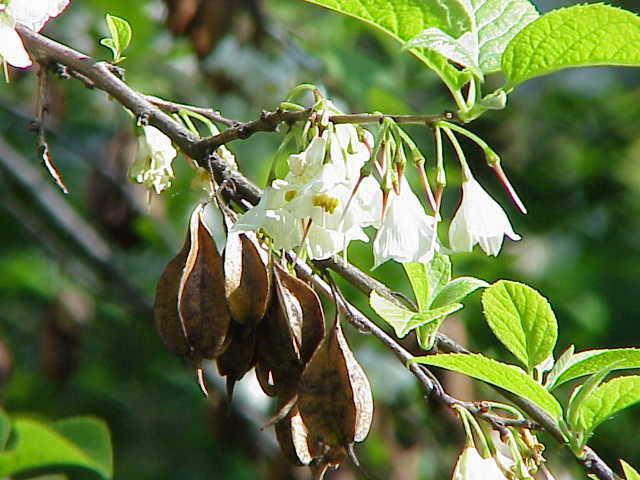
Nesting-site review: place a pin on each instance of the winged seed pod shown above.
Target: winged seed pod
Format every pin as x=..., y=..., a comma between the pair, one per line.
x=247, y=278
x=165, y=308
x=334, y=398
x=288, y=335
x=190, y=310
x=202, y=304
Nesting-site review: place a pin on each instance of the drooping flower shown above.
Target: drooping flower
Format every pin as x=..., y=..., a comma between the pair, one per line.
x=33, y=14
x=472, y=466
x=407, y=232
x=152, y=166
x=479, y=220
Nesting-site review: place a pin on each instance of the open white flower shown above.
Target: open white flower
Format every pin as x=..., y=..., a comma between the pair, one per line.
x=472, y=466
x=479, y=219
x=315, y=205
x=407, y=232
x=152, y=166
x=33, y=14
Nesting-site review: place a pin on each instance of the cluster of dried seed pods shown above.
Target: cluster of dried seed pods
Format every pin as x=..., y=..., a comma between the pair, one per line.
x=234, y=305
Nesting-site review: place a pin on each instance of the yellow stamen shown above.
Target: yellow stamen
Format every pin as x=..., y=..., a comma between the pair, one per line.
x=327, y=203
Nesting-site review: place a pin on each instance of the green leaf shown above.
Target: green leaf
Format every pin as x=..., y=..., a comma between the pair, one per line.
x=522, y=320
x=120, y=31
x=559, y=367
x=630, y=473
x=578, y=36
x=457, y=50
x=591, y=361
x=610, y=398
x=403, y=320
x=494, y=23
x=426, y=334
x=439, y=274
x=5, y=429
x=422, y=318
x=419, y=279
x=580, y=394
x=404, y=19
x=457, y=290
x=78, y=442
x=505, y=376
x=497, y=22
x=394, y=315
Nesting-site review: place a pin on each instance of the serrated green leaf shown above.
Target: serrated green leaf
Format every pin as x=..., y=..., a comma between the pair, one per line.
x=494, y=23
x=79, y=442
x=497, y=22
x=419, y=279
x=578, y=36
x=439, y=274
x=607, y=400
x=5, y=429
x=630, y=473
x=508, y=377
x=522, y=320
x=591, y=361
x=404, y=19
x=457, y=290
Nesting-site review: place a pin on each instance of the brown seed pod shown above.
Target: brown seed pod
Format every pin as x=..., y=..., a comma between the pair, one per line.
x=240, y=355
x=165, y=308
x=334, y=397
x=202, y=304
x=290, y=332
x=247, y=279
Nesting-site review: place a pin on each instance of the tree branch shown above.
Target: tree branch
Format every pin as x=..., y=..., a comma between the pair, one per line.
x=203, y=151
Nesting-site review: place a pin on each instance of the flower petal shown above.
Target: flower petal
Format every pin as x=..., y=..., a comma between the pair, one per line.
x=11, y=48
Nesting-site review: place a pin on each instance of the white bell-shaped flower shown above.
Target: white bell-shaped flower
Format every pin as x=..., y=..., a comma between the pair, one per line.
x=472, y=466
x=152, y=166
x=479, y=220
x=33, y=14
x=407, y=232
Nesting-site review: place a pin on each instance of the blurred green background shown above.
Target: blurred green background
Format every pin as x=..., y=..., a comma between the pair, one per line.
x=77, y=336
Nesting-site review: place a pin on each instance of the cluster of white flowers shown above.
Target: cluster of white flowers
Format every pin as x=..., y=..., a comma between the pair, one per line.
x=33, y=14
x=324, y=203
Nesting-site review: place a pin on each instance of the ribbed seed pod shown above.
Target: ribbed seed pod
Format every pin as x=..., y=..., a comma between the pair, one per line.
x=247, y=278
x=202, y=304
x=289, y=334
x=334, y=398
